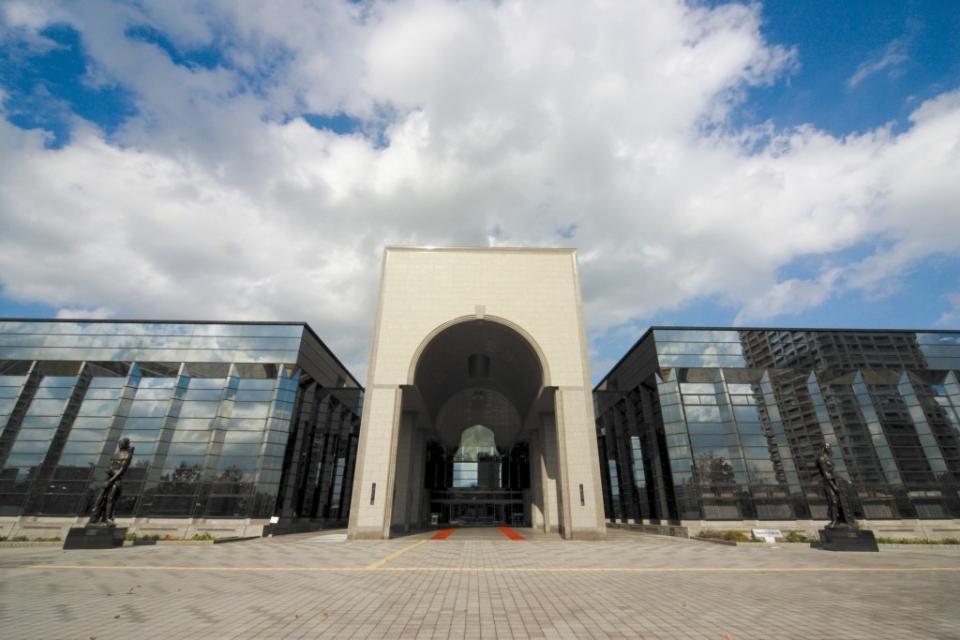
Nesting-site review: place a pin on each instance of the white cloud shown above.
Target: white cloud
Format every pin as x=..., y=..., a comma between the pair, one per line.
x=506, y=123
x=893, y=55
x=98, y=313
x=788, y=296
x=951, y=317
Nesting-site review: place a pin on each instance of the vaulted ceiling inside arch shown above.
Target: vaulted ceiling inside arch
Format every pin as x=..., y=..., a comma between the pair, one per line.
x=514, y=380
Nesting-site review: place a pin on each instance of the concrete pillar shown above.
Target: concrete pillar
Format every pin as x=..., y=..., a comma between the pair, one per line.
x=537, y=520
x=624, y=459
x=549, y=473
x=401, y=485
x=581, y=495
x=415, y=495
x=372, y=503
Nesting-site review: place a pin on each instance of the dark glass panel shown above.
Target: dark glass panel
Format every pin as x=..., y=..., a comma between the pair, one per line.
x=703, y=414
x=695, y=335
x=181, y=435
x=244, y=463
x=251, y=410
x=181, y=449
x=46, y=408
x=193, y=424
x=711, y=428
x=713, y=440
x=194, y=409
x=753, y=441
x=40, y=422
x=699, y=348
x=79, y=446
x=701, y=361
x=238, y=424
x=183, y=467
x=208, y=370
x=204, y=394
x=255, y=395
x=243, y=437
x=148, y=408
x=229, y=506
x=88, y=435
x=52, y=393
x=172, y=505
x=11, y=503
x=30, y=446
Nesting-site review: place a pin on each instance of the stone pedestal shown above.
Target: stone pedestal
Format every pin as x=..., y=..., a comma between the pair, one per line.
x=95, y=537
x=846, y=539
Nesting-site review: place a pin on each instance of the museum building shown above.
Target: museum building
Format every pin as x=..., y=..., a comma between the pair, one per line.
x=232, y=423
x=478, y=410
x=697, y=425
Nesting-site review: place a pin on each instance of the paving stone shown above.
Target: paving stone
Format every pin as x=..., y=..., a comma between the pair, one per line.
x=478, y=585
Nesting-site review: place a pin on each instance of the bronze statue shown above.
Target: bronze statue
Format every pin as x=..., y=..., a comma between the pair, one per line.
x=107, y=500
x=836, y=505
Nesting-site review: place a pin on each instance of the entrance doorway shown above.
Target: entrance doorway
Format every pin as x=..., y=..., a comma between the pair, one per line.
x=470, y=416
x=479, y=486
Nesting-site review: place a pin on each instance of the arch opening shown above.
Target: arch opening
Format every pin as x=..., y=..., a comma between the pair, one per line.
x=478, y=386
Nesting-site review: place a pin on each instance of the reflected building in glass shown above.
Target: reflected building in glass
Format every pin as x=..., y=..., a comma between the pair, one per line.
x=238, y=421
x=721, y=424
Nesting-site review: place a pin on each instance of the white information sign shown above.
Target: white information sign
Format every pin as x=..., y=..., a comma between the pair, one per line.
x=767, y=535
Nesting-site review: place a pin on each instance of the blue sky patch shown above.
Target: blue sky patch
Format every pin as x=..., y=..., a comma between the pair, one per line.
x=861, y=64
x=45, y=90
x=208, y=57
x=339, y=123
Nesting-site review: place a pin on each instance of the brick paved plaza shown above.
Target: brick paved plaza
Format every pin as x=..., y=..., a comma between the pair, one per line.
x=478, y=584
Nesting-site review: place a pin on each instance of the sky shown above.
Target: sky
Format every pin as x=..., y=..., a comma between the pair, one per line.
x=774, y=163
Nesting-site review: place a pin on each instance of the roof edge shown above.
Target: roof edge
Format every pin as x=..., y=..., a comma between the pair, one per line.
x=666, y=327
x=299, y=323
x=453, y=249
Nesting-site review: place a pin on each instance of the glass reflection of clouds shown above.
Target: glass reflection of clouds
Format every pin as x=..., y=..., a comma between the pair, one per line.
x=202, y=403
x=751, y=407
x=150, y=342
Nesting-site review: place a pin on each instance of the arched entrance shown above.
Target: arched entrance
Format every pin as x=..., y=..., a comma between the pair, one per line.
x=470, y=414
x=478, y=336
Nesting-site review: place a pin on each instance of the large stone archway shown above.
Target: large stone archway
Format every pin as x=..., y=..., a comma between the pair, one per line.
x=478, y=337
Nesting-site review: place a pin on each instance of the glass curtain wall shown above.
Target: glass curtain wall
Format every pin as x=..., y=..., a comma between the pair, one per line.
x=211, y=432
x=739, y=417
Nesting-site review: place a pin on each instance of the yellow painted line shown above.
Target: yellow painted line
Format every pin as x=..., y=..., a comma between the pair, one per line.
x=379, y=566
x=395, y=555
x=679, y=569
x=81, y=567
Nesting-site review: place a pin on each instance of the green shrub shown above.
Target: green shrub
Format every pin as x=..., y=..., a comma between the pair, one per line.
x=889, y=540
x=19, y=539
x=142, y=536
x=202, y=536
x=730, y=535
x=795, y=536
x=48, y=539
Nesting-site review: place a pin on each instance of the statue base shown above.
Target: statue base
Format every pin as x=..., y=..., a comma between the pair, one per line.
x=846, y=538
x=95, y=536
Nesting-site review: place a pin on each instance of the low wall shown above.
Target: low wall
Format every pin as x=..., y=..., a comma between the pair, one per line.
x=676, y=531
x=913, y=528
x=50, y=526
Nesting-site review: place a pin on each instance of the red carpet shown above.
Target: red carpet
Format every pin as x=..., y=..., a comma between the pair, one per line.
x=510, y=533
x=443, y=534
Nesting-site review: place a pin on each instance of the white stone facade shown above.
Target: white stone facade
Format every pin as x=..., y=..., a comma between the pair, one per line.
x=536, y=294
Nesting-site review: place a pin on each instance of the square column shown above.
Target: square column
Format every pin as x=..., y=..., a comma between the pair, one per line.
x=372, y=502
x=581, y=494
